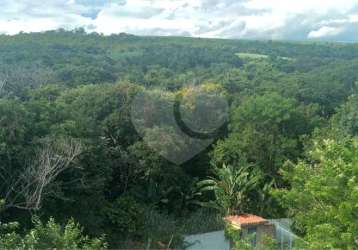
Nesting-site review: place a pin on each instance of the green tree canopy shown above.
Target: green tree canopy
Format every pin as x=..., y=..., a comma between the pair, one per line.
x=323, y=194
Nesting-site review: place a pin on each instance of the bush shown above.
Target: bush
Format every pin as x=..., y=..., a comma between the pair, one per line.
x=48, y=236
x=126, y=216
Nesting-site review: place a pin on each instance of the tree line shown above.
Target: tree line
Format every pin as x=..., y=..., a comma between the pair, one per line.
x=70, y=152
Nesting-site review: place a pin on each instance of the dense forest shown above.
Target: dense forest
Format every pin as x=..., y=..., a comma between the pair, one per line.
x=73, y=161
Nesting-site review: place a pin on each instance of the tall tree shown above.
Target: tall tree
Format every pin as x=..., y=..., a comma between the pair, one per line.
x=322, y=198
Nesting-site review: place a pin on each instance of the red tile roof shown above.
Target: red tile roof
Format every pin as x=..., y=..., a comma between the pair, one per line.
x=245, y=219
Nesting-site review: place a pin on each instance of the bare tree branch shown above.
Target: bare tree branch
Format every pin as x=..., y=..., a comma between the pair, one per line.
x=28, y=189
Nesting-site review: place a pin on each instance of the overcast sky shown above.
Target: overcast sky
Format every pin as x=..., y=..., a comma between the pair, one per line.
x=253, y=19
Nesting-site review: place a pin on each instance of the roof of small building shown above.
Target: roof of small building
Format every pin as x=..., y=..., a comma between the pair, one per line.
x=245, y=219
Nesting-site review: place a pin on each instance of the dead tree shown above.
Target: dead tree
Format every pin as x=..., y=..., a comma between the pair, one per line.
x=28, y=189
x=3, y=81
x=15, y=79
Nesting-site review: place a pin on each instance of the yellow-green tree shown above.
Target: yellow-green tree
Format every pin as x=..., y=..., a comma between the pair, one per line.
x=323, y=196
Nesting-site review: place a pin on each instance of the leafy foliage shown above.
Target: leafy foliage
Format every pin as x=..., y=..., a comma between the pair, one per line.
x=231, y=187
x=323, y=195
x=61, y=84
x=48, y=236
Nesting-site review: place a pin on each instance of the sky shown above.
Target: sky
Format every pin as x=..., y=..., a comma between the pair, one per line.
x=334, y=20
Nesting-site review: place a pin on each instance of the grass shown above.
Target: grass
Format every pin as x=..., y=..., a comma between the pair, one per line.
x=252, y=56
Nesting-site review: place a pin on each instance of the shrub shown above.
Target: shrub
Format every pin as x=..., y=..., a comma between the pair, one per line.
x=48, y=236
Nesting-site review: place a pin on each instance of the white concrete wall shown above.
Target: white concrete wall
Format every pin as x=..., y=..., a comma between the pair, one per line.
x=208, y=241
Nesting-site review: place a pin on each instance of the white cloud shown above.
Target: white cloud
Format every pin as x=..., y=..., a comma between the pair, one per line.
x=324, y=31
x=28, y=16
x=268, y=19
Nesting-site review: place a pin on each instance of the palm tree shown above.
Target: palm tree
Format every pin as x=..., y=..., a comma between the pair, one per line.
x=231, y=187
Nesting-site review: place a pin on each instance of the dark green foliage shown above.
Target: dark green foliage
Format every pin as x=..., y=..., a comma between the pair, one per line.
x=126, y=216
x=79, y=86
